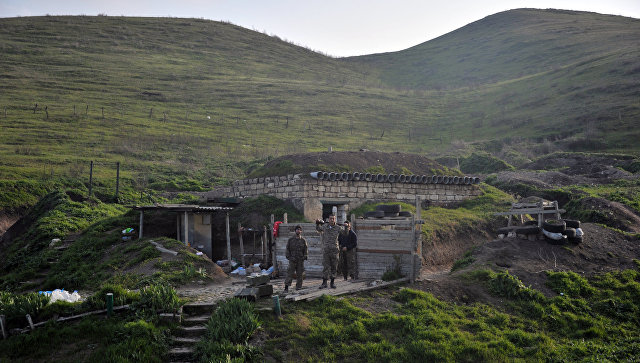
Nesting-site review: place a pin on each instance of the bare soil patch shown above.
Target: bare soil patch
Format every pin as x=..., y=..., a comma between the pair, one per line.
x=359, y=161
x=603, y=250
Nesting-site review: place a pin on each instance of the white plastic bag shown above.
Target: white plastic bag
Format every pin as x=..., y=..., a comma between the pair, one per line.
x=553, y=235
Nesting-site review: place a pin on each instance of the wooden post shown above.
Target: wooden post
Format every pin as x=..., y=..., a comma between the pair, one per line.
x=274, y=259
x=46, y=110
x=228, y=239
x=117, y=180
x=185, y=228
x=109, y=304
x=90, y=178
x=264, y=244
x=102, y=112
x=178, y=226
x=3, y=327
x=141, y=224
x=285, y=219
x=86, y=111
x=28, y=316
x=5, y=111
x=151, y=112
x=276, y=306
x=241, y=244
x=74, y=110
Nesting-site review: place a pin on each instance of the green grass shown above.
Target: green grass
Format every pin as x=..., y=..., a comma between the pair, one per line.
x=419, y=327
x=536, y=75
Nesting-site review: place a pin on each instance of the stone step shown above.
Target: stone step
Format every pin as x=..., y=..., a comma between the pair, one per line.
x=181, y=354
x=185, y=341
x=198, y=309
x=191, y=331
x=195, y=320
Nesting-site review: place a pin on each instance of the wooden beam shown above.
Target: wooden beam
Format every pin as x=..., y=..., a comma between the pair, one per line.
x=141, y=224
x=241, y=244
x=228, y=239
x=390, y=252
x=529, y=211
x=186, y=228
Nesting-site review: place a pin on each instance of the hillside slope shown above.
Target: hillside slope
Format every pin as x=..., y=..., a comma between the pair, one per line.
x=187, y=98
x=510, y=45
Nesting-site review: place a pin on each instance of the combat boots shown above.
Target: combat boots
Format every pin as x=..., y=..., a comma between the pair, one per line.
x=333, y=286
x=324, y=284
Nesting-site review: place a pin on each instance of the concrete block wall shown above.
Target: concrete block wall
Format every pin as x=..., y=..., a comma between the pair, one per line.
x=308, y=194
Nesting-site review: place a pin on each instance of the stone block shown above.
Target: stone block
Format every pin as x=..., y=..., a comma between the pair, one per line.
x=257, y=280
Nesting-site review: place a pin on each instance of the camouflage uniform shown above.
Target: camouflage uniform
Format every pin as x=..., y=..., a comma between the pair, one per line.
x=330, y=249
x=297, y=251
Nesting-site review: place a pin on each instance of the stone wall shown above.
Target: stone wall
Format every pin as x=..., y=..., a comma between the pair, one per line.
x=309, y=194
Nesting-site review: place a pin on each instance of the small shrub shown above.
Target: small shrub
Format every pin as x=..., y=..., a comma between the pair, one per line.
x=15, y=306
x=505, y=284
x=394, y=271
x=121, y=296
x=465, y=261
x=155, y=298
x=228, y=331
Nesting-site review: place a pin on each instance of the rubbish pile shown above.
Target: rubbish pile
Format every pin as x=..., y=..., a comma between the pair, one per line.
x=61, y=294
x=128, y=234
x=252, y=270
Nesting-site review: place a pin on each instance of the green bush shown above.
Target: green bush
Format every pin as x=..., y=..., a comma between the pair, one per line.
x=15, y=306
x=121, y=296
x=228, y=331
x=569, y=283
x=507, y=285
x=394, y=271
x=466, y=260
x=155, y=298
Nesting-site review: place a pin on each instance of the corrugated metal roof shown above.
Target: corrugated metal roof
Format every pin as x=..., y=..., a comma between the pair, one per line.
x=182, y=207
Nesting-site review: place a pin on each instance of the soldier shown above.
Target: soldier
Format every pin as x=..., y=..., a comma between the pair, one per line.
x=348, y=243
x=330, y=251
x=297, y=251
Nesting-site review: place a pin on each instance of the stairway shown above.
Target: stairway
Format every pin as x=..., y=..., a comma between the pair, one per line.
x=193, y=322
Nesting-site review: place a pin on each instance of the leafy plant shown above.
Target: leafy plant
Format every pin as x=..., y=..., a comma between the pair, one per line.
x=466, y=260
x=16, y=306
x=394, y=271
x=157, y=298
x=228, y=331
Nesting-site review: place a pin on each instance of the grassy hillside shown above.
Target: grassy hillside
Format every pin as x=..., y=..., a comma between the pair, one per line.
x=506, y=46
x=193, y=103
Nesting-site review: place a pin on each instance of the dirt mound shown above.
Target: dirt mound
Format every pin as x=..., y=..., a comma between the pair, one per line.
x=352, y=161
x=602, y=250
x=612, y=214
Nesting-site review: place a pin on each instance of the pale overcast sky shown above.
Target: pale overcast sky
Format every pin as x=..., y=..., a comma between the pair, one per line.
x=334, y=27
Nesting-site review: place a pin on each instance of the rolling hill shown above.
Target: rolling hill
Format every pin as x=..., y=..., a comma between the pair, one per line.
x=190, y=98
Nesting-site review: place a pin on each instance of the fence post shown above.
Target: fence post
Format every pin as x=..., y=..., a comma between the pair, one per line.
x=241, y=244
x=117, y=180
x=109, y=304
x=228, y=240
x=3, y=327
x=30, y=321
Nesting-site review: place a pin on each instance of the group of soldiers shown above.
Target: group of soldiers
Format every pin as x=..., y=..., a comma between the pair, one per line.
x=336, y=240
